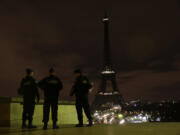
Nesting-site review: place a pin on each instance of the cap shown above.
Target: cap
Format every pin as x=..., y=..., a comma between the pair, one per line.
x=78, y=71
x=51, y=70
x=28, y=71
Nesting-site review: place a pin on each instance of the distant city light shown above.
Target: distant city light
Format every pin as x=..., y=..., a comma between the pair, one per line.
x=107, y=93
x=120, y=116
x=105, y=19
x=122, y=122
x=110, y=121
x=108, y=72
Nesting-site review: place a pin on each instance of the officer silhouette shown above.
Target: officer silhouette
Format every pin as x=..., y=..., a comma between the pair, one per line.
x=51, y=86
x=81, y=89
x=29, y=91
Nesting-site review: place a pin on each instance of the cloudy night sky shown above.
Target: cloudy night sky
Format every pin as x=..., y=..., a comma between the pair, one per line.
x=144, y=36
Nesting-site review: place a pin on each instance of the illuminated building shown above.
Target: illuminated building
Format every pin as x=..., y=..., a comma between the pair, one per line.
x=107, y=75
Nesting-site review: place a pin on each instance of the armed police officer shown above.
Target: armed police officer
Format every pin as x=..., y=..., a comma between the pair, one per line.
x=81, y=89
x=29, y=91
x=51, y=86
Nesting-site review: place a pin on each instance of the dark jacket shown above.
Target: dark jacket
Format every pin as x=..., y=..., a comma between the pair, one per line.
x=81, y=87
x=29, y=89
x=51, y=86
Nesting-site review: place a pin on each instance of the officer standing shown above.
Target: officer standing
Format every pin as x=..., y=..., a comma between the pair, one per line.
x=81, y=89
x=29, y=91
x=51, y=86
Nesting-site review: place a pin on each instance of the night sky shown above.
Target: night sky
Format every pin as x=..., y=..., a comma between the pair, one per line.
x=144, y=35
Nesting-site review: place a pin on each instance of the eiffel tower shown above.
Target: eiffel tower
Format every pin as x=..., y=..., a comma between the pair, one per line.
x=107, y=75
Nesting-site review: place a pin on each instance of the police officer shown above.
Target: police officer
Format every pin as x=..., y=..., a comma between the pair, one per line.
x=51, y=86
x=29, y=91
x=81, y=89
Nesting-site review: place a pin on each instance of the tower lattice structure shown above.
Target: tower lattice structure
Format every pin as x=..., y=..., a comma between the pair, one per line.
x=103, y=97
x=107, y=74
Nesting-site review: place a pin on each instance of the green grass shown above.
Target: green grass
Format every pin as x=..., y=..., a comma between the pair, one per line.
x=127, y=129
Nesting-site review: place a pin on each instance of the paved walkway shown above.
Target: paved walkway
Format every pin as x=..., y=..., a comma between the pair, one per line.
x=127, y=129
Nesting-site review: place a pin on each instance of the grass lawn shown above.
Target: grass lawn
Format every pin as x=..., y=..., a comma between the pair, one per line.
x=127, y=129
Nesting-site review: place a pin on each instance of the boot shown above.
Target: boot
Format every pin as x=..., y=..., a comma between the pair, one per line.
x=55, y=125
x=90, y=124
x=30, y=125
x=24, y=124
x=79, y=125
x=45, y=126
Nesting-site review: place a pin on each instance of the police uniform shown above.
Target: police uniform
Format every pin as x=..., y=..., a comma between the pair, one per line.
x=81, y=89
x=51, y=87
x=30, y=92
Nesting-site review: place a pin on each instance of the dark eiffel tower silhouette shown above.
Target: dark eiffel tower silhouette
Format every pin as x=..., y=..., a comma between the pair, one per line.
x=107, y=75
